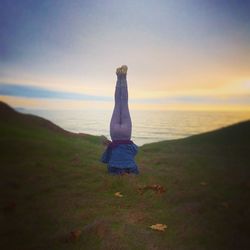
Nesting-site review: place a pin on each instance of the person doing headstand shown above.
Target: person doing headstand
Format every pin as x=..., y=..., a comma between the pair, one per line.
x=120, y=153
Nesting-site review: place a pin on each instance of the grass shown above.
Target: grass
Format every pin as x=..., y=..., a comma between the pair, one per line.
x=52, y=183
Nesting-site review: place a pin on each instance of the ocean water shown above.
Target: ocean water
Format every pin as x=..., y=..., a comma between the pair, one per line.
x=148, y=126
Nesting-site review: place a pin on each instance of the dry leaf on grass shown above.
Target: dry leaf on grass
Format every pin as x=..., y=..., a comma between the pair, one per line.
x=74, y=235
x=225, y=204
x=10, y=206
x=159, y=227
x=203, y=183
x=157, y=188
x=118, y=194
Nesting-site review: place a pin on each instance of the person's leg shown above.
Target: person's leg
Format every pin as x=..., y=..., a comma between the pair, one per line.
x=115, y=122
x=126, y=123
x=121, y=125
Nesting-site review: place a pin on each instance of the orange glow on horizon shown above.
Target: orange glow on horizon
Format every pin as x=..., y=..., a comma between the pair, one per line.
x=43, y=103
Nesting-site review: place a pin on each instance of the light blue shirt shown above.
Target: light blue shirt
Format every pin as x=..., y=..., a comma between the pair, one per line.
x=122, y=156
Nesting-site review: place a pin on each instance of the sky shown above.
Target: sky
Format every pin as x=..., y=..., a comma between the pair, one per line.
x=185, y=54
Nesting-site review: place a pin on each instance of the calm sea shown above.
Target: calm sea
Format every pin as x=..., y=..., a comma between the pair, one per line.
x=148, y=126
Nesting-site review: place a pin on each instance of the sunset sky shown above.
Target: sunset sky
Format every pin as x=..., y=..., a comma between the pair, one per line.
x=185, y=54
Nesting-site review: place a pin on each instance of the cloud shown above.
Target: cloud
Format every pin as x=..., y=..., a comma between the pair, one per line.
x=240, y=99
x=38, y=92
x=27, y=91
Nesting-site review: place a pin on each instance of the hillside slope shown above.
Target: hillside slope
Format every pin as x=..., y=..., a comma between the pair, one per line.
x=10, y=116
x=55, y=193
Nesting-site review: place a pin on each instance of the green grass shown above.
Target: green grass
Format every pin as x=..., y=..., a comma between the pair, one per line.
x=52, y=183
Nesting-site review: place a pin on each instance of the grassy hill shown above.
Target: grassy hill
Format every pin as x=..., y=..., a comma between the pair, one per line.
x=55, y=194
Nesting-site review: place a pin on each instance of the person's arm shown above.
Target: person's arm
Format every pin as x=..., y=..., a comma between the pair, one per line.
x=135, y=148
x=106, y=156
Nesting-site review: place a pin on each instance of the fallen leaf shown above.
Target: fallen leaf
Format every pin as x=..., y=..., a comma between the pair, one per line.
x=159, y=227
x=157, y=188
x=74, y=235
x=203, y=183
x=118, y=194
x=9, y=207
x=224, y=204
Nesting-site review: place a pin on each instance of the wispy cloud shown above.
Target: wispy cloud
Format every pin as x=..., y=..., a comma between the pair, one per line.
x=28, y=91
x=242, y=99
x=38, y=92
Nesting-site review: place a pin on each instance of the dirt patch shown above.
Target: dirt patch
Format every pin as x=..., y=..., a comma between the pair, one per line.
x=189, y=208
x=135, y=217
x=76, y=160
x=158, y=189
x=100, y=227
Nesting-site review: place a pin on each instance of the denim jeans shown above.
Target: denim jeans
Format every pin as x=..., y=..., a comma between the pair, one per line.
x=120, y=124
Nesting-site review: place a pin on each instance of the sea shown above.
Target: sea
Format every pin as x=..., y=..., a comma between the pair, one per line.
x=148, y=125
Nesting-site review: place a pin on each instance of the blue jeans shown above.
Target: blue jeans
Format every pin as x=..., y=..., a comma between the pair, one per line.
x=120, y=124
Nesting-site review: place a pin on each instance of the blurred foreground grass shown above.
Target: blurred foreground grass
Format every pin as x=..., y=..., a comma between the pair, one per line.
x=53, y=186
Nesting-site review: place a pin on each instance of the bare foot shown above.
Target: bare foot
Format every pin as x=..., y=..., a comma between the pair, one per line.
x=122, y=70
